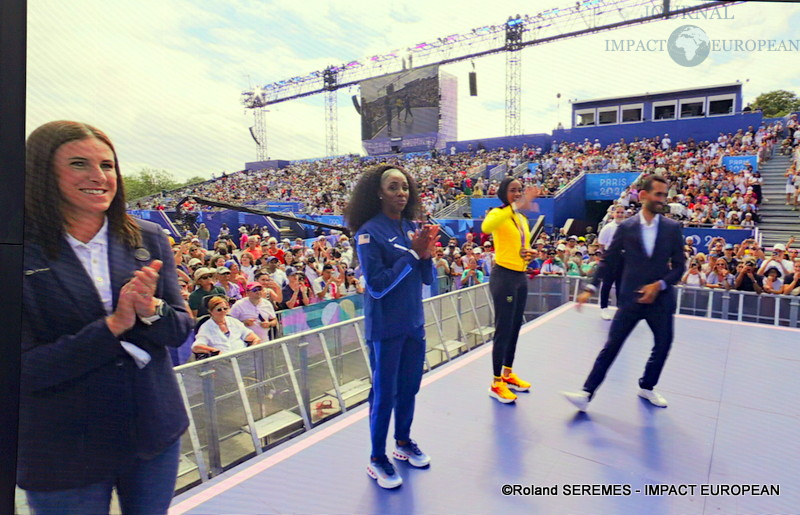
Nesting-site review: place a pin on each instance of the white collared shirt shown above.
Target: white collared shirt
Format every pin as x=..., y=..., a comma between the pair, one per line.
x=94, y=258
x=649, y=233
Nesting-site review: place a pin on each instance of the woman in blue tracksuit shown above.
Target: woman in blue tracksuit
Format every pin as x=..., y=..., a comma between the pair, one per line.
x=395, y=256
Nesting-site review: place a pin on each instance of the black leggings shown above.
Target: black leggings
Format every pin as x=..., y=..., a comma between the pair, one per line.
x=509, y=293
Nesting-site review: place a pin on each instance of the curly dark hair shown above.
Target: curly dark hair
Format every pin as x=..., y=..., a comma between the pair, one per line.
x=364, y=202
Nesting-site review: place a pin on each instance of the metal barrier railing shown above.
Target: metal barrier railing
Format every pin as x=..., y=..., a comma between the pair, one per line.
x=243, y=402
x=454, y=209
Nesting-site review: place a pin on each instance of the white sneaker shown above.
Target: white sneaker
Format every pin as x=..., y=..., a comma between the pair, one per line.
x=579, y=399
x=606, y=314
x=385, y=473
x=655, y=398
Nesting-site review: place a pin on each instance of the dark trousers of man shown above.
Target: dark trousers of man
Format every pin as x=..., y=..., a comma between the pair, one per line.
x=510, y=293
x=396, y=374
x=608, y=282
x=660, y=322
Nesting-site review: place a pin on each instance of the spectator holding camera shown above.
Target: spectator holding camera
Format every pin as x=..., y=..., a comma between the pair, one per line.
x=351, y=284
x=442, y=270
x=325, y=288
x=778, y=260
x=296, y=293
x=721, y=276
x=695, y=275
x=746, y=277
x=272, y=290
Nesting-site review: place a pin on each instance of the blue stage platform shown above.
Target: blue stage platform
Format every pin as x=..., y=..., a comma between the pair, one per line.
x=733, y=420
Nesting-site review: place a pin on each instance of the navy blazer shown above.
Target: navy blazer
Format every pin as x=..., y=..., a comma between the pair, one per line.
x=86, y=409
x=638, y=269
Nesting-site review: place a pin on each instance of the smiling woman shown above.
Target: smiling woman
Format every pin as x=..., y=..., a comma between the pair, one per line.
x=98, y=312
x=395, y=256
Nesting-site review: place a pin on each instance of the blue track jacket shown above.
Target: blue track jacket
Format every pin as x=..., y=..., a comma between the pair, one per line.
x=394, y=277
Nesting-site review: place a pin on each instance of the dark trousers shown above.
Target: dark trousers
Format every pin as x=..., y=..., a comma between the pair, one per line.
x=396, y=375
x=660, y=322
x=510, y=293
x=613, y=279
x=145, y=488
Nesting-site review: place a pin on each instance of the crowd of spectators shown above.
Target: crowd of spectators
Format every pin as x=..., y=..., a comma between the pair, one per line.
x=257, y=277
x=323, y=186
x=250, y=266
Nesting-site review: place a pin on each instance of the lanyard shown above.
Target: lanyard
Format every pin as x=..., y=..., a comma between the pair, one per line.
x=519, y=227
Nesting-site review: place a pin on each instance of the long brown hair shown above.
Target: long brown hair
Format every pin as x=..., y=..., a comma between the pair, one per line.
x=44, y=217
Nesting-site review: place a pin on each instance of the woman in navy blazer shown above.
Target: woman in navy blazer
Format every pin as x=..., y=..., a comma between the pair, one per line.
x=100, y=406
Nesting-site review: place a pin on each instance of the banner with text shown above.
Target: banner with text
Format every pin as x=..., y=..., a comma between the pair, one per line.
x=702, y=237
x=738, y=163
x=608, y=186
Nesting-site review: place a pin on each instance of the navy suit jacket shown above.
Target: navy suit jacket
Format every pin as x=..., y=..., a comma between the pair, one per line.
x=638, y=269
x=86, y=409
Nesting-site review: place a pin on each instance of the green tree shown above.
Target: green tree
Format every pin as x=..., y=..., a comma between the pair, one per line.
x=193, y=180
x=148, y=181
x=777, y=103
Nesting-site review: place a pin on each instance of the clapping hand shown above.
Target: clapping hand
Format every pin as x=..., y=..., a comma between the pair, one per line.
x=424, y=239
x=143, y=286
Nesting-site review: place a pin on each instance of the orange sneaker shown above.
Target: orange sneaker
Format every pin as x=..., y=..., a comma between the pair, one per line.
x=500, y=391
x=515, y=383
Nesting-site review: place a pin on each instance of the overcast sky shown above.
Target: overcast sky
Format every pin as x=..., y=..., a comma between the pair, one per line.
x=163, y=77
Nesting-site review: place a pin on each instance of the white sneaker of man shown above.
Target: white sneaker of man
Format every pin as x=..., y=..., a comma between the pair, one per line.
x=578, y=399
x=655, y=398
x=606, y=314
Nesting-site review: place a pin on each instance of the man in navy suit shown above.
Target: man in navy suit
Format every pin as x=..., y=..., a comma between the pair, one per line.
x=652, y=247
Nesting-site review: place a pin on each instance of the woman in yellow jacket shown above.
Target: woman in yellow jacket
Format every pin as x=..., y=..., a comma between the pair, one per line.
x=508, y=282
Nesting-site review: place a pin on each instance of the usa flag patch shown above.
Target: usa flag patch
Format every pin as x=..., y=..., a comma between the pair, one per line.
x=363, y=238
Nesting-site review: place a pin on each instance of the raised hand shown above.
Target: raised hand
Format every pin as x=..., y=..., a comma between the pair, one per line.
x=530, y=194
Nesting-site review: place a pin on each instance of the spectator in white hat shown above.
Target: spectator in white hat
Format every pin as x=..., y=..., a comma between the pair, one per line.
x=204, y=287
x=224, y=281
x=777, y=260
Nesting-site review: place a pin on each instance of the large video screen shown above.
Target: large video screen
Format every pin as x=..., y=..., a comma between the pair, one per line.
x=401, y=103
